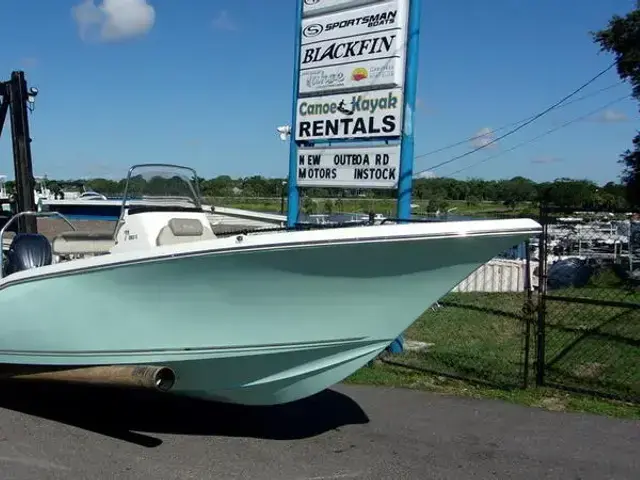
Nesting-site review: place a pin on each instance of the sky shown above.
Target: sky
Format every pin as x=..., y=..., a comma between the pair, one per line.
x=205, y=83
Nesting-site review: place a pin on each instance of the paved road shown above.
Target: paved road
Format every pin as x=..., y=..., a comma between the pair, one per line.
x=349, y=433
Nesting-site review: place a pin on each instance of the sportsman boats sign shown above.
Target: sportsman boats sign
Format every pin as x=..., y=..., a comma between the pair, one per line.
x=370, y=114
x=350, y=23
x=357, y=167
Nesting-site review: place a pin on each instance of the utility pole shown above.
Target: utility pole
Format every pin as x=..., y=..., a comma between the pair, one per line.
x=16, y=99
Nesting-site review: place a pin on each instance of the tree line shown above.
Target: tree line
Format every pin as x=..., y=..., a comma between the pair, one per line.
x=564, y=192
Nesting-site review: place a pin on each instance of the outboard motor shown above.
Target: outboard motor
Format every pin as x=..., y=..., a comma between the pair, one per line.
x=28, y=250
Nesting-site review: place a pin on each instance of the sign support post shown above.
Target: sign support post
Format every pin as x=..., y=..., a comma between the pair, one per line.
x=358, y=60
x=293, y=196
x=405, y=177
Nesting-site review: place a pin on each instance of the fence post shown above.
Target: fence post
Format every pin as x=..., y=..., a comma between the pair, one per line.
x=542, y=291
x=528, y=311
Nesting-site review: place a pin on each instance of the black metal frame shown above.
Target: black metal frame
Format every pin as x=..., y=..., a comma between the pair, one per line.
x=15, y=98
x=535, y=359
x=542, y=306
x=544, y=364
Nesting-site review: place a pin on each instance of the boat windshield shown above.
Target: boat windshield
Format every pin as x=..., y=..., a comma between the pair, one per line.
x=162, y=185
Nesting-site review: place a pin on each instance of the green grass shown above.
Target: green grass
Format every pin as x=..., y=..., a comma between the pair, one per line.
x=594, y=346
x=267, y=205
x=383, y=206
x=381, y=374
x=480, y=337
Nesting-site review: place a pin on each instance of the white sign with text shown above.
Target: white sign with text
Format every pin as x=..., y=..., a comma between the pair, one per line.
x=385, y=72
x=317, y=7
x=372, y=114
x=385, y=44
x=357, y=167
x=358, y=21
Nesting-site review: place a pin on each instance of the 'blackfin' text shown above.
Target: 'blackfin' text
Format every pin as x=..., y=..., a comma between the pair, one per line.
x=349, y=49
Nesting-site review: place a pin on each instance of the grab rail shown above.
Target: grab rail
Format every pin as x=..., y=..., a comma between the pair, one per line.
x=23, y=214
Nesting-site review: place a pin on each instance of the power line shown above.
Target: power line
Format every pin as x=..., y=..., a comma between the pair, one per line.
x=538, y=137
x=522, y=125
x=475, y=137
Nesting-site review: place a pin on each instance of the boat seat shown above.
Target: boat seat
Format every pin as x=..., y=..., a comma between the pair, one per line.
x=83, y=243
x=183, y=230
x=27, y=250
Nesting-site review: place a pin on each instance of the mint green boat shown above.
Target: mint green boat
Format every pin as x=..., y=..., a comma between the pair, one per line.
x=255, y=319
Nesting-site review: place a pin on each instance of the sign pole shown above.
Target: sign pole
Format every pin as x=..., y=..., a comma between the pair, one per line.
x=405, y=177
x=293, y=197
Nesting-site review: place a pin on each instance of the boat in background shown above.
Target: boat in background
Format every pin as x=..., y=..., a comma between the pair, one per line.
x=94, y=206
x=40, y=192
x=5, y=199
x=91, y=205
x=257, y=319
x=91, y=195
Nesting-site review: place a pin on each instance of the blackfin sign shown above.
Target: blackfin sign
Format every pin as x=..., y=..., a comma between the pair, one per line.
x=383, y=72
x=352, y=49
x=317, y=7
x=358, y=21
x=372, y=114
x=359, y=167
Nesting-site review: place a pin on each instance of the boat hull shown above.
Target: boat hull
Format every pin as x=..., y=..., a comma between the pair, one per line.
x=253, y=327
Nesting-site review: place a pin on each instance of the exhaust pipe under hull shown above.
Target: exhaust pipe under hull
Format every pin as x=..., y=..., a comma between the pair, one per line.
x=139, y=376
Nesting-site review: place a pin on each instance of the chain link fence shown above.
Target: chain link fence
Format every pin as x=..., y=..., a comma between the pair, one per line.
x=590, y=303
x=565, y=306
x=481, y=330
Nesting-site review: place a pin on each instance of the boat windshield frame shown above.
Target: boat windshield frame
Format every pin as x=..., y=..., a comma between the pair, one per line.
x=193, y=186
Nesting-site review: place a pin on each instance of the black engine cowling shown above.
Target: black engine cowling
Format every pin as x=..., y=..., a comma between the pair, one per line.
x=28, y=250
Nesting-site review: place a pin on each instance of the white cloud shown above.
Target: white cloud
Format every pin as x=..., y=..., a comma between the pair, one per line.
x=424, y=107
x=483, y=138
x=425, y=174
x=113, y=20
x=546, y=159
x=224, y=22
x=611, y=116
x=29, y=62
